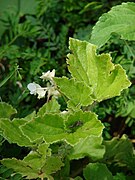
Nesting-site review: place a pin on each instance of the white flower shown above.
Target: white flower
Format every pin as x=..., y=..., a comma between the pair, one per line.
x=36, y=89
x=52, y=91
x=48, y=75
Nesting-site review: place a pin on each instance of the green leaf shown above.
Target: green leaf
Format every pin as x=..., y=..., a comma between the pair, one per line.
x=6, y=110
x=96, y=71
x=52, y=165
x=36, y=159
x=120, y=19
x=81, y=125
x=37, y=164
x=96, y=171
x=121, y=152
x=53, y=128
x=77, y=92
x=89, y=147
x=51, y=107
x=21, y=167
x=119, y=176
x=49, y=126
x=5, y=172
x=12, y=132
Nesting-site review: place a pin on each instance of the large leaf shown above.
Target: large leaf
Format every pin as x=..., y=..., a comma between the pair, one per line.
x=6, y=110
x=49, y=126
x=96, y=71
x=77, y=92
x=53, y=128
x=12, y=132
x=120, y=19
x=97, y=171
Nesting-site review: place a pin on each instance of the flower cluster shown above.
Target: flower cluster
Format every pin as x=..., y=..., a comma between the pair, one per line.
x=50, y=89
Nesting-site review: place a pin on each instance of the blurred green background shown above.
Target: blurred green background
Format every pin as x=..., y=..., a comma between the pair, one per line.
x=34, y=38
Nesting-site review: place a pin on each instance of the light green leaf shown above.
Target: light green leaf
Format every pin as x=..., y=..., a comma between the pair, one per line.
x=12, y=132
x=91, y=147
x=44, y=149
x=6, y=110
x=77, y=92
x=36, y=159
x=96, y=71
x=120, y=19
x=51, y=107
x=81, y=125
x=49, y=126
x=97, y=171
x=52, y=165
x=53, y=128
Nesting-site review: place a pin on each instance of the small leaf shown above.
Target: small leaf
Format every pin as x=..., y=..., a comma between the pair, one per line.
x=6, y=110
x=44, y=149
x=120, y=19
x=51, y=107
x=35, y=160
x=96, y=171
x=96, y=71
x=77, y=92
x=52, y=165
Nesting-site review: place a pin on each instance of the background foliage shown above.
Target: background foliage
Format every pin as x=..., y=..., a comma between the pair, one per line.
x=34, y=38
